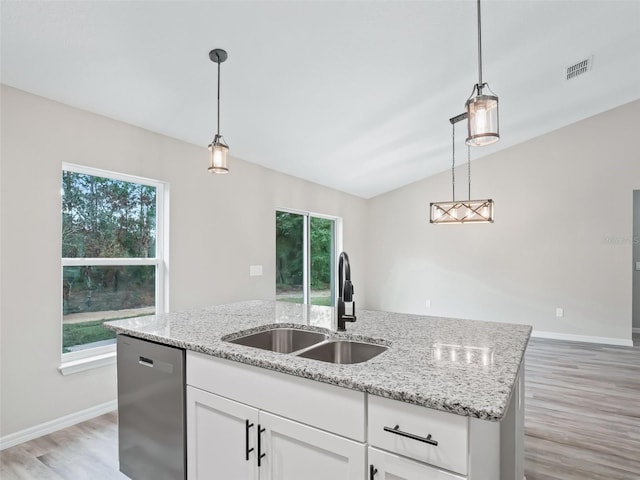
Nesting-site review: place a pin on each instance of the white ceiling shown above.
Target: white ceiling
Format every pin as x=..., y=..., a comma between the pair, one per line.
x=353, y=95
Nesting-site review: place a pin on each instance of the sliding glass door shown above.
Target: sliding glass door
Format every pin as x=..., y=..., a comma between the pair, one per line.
x=305, y=257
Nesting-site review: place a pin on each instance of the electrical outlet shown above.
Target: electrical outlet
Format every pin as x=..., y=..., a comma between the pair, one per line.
x=559, y=312
x=638, y=266
x=255, y=270
x=427, y=303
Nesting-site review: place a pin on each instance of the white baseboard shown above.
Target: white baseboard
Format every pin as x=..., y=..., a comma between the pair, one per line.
x=583, y=338
x=56, y=424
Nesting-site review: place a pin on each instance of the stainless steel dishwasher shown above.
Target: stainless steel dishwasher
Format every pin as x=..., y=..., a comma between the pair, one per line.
x=151, y=410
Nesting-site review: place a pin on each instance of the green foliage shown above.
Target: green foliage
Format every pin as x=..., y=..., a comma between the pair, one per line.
x=321, y=237
x=87, y=332
x=291, y=299
x=82, y=333
x=289, y=251
x=106, y=218
x=325, y=301
x=97, y=288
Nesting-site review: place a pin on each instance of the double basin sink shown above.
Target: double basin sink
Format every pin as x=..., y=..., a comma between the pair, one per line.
x=313, y=345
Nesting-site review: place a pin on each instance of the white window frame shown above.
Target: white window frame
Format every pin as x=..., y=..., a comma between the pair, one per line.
x=306, y=247
x=81, y=360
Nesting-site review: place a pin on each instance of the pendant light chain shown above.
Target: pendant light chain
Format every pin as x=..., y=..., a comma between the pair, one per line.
x=480, y=85
x=217, y=55
x=469, y=169
x=453, y=164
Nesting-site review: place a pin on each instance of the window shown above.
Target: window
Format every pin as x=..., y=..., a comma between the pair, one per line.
x=113, y=265
x=306, y=246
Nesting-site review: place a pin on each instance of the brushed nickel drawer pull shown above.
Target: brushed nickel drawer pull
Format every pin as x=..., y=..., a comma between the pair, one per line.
x=397, y=431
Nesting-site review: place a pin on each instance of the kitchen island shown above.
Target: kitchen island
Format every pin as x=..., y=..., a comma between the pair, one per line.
x=465, y=377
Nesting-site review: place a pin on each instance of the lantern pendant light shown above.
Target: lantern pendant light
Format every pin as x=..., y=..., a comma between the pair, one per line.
x=218, y=148
x=457, y=212
x=481, y=109
x=481, y=113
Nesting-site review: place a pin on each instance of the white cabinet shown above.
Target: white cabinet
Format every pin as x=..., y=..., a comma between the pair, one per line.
x=334, y=409
x=301, y=429
x=295, y=452
x=388, y=466
x=230, y=440
x=221, y=438
x=430, y=436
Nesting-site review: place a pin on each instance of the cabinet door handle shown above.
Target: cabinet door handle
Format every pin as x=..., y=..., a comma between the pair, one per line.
x=372, y=472
x=260, y=454
x=397, y=431
x=247, y=450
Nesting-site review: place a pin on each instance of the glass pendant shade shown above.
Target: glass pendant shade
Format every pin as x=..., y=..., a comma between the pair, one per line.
x=482, y=120
x=218, y=149
x=218, y=156
x=458, y=212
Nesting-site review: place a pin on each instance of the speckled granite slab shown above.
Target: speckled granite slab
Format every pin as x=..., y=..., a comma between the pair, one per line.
x=458, y=366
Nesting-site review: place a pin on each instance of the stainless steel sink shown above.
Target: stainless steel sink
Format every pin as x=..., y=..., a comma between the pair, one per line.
x=343, y=351
x=282, y=340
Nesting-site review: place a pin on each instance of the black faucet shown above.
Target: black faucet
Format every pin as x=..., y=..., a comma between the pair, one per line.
x=346, y=305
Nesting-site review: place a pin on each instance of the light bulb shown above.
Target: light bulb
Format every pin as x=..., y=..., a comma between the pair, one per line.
x=218, y=158
x=480, y=119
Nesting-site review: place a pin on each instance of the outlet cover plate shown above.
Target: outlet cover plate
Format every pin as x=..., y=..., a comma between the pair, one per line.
x=255, y=270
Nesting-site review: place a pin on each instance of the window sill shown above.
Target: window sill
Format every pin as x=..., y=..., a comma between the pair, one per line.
x=87, y=363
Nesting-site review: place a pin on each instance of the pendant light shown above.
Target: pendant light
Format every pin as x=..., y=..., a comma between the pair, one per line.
x=481, y=109
x=218, y=148
x=458, y=212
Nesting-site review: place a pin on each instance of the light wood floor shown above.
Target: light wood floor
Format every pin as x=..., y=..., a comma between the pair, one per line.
x=582, y=422
x=582, y=408
x=86, y=451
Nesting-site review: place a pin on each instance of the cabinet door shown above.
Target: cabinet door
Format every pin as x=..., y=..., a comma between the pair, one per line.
x=221, y=438
x=294, y=452
x=388, y=466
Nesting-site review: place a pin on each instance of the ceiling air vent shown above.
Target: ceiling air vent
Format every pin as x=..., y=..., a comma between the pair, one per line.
x=583, y=66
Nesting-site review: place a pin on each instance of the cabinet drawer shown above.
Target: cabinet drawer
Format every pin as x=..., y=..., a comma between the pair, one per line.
x=448, y=430
x=388, y=466
x=328, y=407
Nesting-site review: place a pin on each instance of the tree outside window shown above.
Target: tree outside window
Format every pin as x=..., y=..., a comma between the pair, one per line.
x=305, y=258
x=111, y=266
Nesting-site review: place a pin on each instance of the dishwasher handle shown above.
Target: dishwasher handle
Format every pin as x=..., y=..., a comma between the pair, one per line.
x=158, y=365
x=147, y=362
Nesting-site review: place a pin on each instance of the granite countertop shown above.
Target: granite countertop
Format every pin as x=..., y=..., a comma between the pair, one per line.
x=463, y=367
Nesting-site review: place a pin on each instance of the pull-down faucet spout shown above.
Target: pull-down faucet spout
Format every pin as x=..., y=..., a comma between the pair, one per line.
x=346, y=305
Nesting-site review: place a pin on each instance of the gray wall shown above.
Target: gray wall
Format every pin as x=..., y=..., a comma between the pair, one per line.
x=219, y=225
x=562, y=203
x=560, y=238
x=636, y=258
